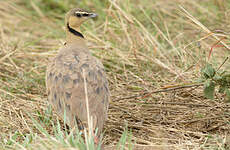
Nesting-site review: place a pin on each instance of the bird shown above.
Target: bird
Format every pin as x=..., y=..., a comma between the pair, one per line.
x=73, y=68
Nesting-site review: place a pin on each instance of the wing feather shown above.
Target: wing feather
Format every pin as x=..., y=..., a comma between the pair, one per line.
x=65, y=87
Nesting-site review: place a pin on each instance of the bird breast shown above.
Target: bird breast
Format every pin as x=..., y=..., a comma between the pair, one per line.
x=65, y=86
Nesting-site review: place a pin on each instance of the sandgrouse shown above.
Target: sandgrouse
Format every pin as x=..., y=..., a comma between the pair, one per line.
x=65, y=80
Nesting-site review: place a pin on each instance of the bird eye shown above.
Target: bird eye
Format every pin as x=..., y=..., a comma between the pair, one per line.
x=78, y=14
x=85, y=15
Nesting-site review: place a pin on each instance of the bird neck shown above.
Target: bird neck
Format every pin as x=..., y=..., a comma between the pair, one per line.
x=73, y=35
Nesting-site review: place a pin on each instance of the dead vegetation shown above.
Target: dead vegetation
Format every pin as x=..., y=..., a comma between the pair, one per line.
x=145, y=47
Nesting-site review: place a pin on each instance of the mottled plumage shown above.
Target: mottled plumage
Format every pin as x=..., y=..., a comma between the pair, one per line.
x=64, y=79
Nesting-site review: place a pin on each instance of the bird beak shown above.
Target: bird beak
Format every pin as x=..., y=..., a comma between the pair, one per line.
x=93, y=15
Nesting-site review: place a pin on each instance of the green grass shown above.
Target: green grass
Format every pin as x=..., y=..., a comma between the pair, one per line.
x=145, y=46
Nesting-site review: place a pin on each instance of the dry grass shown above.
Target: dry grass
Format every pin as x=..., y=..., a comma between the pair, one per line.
x=145, y=46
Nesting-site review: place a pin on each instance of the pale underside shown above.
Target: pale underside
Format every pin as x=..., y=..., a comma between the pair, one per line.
x=65, y=86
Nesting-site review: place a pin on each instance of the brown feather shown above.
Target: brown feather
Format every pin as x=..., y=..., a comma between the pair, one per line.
x=65, y=85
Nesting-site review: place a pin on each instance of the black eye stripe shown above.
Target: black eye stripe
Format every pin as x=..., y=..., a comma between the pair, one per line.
x=85, y=15
x=78, y=14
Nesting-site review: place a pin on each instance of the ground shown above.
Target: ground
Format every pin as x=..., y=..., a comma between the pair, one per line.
x=153, y=53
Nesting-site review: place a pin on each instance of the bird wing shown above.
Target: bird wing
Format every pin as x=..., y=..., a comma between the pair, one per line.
x=65, y=87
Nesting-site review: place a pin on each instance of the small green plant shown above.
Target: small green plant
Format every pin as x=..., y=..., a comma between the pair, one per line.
x=126, y=138
x=212, y=79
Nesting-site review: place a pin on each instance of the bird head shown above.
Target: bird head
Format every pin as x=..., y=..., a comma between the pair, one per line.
x=75, y=17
